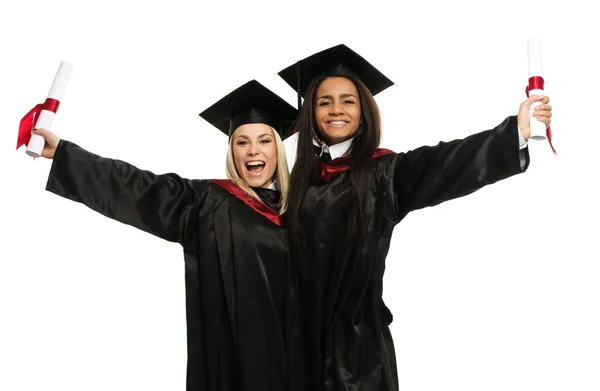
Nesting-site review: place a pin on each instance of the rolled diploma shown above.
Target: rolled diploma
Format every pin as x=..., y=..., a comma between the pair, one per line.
x=44, y=121
x=534, y=54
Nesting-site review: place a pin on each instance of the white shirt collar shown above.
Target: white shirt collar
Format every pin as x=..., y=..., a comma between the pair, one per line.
x=337, y=150
x=274, y=185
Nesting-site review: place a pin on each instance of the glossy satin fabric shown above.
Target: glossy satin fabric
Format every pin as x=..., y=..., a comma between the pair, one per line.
x=341, y=283
x=243, y=322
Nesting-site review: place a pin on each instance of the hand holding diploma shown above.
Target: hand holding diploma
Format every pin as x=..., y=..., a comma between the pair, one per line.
x=50, y=142
x=532, y=111
x=537, y=130
x=42, y=114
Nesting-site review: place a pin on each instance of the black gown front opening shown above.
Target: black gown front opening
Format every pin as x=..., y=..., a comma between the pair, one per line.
x=243, y=322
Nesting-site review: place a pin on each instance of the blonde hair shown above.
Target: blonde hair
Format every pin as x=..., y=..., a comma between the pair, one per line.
x=282, y=173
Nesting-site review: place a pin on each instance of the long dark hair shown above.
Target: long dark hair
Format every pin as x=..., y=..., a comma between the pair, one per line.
x=305, y=171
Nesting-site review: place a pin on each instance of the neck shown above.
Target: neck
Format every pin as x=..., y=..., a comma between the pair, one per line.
x=272, y=185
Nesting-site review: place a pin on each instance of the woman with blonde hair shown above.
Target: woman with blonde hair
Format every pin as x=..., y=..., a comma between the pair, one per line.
x=243, y=322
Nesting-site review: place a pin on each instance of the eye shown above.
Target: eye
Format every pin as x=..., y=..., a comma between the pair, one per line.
x=349, y=101
x=323, y=103
x=265, y=141
x=242, y=142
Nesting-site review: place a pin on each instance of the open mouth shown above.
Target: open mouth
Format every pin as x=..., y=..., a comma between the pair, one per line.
x=337, y=123
x=255, y=167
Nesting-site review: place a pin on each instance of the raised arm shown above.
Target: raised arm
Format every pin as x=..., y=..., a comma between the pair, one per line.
x=158, y=204
x=431, y=175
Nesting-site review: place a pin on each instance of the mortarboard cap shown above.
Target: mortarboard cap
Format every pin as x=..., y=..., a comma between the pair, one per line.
x=250, y=104
x=337, y=57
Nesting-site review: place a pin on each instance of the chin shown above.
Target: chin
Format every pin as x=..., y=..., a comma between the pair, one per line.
x=339, y=136
x=256, y=181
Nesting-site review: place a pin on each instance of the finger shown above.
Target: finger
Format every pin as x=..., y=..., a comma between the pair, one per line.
x=542, y=114
x=42, y=132
x=542, y=117
x=543, y=107
x=531, y=100
x=545, y=120
x=535, y=98
x=546, y=99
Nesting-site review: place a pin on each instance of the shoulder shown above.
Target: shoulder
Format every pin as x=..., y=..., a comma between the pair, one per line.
x=383, y=157
x=215, y=190
x=221, y=185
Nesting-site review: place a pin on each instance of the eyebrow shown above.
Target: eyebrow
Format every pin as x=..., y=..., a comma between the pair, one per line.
x=347, y=95
x=246, y=137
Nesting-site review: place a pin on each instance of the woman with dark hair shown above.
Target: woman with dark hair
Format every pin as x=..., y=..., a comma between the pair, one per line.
x=243, y=316
x=346, y=196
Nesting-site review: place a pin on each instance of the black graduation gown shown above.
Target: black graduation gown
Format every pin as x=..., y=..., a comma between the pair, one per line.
x=243, y=324
x=341, y=283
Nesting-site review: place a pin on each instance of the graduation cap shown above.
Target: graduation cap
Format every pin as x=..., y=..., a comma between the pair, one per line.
x=251, y=103
x=339, y=57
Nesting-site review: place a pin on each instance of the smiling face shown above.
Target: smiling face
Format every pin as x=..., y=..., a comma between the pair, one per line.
x=255, y=154
x=337, y=110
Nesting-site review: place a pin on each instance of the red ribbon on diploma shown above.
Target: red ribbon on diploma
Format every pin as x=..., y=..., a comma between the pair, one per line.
x=537, y=83
x=28, y=121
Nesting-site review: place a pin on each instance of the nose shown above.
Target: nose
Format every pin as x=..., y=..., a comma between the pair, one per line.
x=253, y=150
x=335, y=108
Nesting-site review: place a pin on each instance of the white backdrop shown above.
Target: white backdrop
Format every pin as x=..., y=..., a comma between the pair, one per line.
x=495, y=291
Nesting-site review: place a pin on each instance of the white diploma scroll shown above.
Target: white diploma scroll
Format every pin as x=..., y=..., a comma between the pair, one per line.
x=44, y=121
x=534, y=54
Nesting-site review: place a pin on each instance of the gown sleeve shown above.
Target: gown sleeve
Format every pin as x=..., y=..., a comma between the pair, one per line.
x=430, y=175
x=158, y=204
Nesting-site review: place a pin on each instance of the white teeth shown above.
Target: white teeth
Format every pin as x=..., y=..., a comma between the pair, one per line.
x=337, y=122
x=255, y=164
